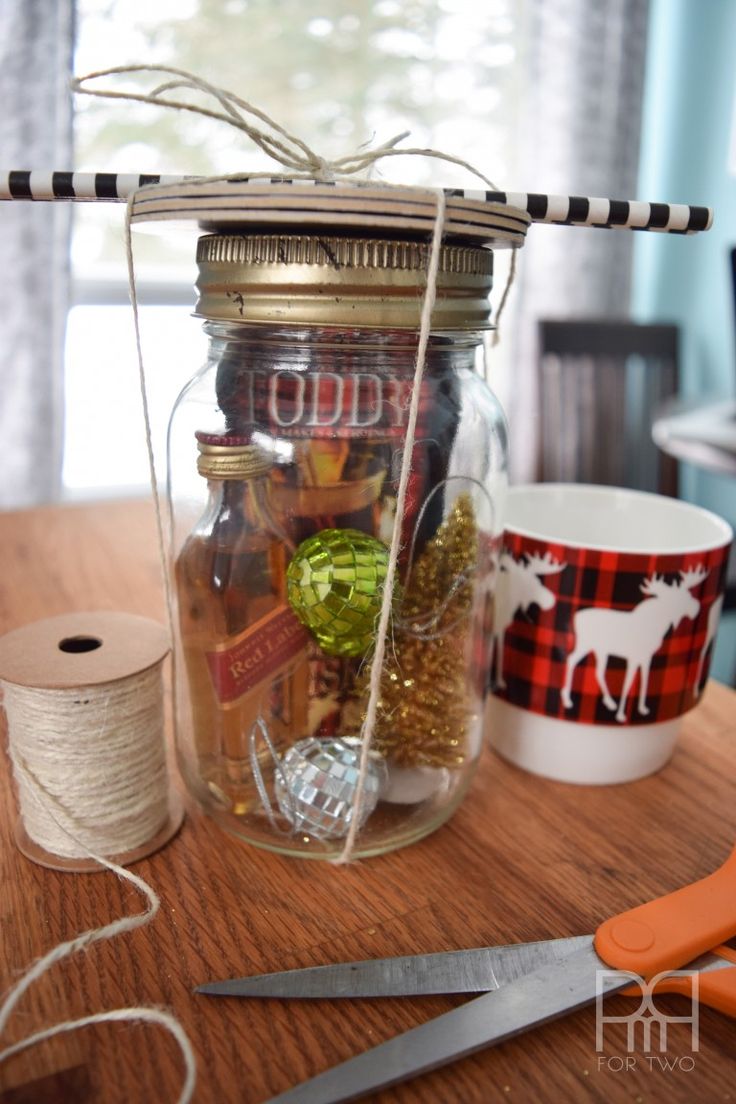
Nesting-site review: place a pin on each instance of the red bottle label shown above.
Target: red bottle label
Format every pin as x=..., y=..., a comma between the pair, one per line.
x=260, y=653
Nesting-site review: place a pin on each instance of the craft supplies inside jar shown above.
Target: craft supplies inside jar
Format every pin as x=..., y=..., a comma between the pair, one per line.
x=284, y=459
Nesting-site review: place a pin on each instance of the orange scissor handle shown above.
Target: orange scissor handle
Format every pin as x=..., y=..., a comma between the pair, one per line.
x=716, y=988
x=673, y=930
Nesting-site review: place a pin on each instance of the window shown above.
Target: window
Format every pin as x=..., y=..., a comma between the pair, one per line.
x=338, y=75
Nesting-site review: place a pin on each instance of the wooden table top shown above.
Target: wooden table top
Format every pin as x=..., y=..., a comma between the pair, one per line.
x=523, y=859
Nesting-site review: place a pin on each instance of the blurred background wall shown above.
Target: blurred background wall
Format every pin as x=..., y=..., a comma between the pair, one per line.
x=688, y=149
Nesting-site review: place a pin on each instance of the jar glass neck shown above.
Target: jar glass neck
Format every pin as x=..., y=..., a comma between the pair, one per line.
x=345, y=349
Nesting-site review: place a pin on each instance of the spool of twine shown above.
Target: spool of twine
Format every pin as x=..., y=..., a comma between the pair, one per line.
x=84, y=703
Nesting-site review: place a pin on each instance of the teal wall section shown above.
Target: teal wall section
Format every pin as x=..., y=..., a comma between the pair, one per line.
x=688, y=117
x=687, y=130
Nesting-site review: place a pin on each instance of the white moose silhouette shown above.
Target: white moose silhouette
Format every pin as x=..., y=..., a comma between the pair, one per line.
x=519, y=587
x=634, y=635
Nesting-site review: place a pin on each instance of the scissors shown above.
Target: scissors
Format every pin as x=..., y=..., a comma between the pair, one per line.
x=523, y=985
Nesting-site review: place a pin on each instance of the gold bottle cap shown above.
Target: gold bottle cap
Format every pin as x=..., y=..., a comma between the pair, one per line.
x=223, y=456
x=315, y=280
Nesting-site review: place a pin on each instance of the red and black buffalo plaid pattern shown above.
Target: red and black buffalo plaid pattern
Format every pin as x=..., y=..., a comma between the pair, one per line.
x=543, y=648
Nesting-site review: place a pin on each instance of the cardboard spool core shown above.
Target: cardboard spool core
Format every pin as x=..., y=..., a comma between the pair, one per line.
x=78, y=650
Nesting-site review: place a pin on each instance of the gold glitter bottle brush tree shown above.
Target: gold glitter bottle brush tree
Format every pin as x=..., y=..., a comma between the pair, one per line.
x=425, y=718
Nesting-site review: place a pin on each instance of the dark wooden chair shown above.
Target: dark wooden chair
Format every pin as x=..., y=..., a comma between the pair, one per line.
x=600, y=386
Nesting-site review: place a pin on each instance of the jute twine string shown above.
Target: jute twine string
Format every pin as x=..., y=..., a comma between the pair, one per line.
x=301, y=162
x=290, y=151
x=374, y=685
x=87, y=786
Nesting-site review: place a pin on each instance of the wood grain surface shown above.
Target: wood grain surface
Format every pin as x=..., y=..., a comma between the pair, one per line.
x=523, y=859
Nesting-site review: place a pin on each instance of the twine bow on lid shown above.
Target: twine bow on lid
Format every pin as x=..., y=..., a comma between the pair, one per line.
x=277, y=142
x=290, y=151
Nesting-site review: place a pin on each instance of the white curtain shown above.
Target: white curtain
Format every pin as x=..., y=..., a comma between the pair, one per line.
x=36, y=39
x=578, y=133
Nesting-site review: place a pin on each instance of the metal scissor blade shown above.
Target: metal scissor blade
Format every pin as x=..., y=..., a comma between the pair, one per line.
x=533, y=999
x=471, y=971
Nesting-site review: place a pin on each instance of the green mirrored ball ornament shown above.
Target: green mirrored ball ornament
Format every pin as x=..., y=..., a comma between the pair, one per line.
x=335, y=587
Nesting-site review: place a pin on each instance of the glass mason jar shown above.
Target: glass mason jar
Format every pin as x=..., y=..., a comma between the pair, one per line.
x=284, y=458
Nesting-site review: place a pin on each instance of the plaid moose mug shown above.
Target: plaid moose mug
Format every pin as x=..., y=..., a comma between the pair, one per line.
x=607, y=608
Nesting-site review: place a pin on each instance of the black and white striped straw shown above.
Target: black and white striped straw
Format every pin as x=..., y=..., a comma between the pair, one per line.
x=79, y=186
x=623, y=214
